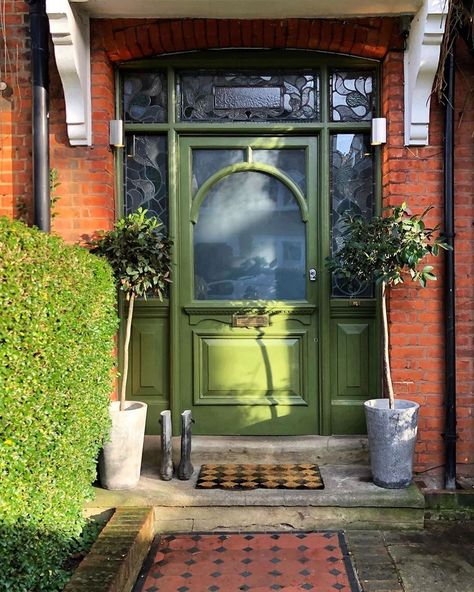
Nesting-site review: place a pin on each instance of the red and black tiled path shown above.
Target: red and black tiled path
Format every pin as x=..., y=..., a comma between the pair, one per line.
x=249, y=562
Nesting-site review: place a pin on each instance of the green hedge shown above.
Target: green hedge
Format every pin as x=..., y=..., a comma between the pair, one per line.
x=57, y=327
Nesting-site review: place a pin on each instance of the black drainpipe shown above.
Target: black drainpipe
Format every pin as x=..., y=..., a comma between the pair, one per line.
x=449, y=287
x=39, y=32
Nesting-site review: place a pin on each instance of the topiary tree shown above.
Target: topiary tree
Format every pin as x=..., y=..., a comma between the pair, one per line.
x=140, y=257
x=386, y=250
x=57, y=328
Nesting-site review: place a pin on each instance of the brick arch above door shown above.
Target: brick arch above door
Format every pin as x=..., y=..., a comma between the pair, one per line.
x=127, y=39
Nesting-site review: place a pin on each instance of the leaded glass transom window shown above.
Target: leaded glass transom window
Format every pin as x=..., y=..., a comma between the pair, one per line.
x=145, y=97
x=248, y=96
x=351, y=95
x=146, y=176
x=352, y=190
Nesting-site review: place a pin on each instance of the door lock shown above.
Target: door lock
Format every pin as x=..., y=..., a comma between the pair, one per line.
x=312, y=275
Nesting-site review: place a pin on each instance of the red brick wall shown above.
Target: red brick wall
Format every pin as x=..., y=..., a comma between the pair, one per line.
x=15, y=111
x=464, y=228
x=413, y=174
x=370, y=38
x=86, y=173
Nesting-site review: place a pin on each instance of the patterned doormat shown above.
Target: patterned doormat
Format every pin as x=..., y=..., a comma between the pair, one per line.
x=245, y=477
x=252, y=562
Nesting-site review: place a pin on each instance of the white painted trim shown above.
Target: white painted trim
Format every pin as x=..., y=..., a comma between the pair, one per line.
x=248, y=9
x=421, y=63
x=70, y=34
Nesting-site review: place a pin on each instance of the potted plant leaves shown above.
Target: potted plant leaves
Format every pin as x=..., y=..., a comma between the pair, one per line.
x=386, y=250
x=140, y=258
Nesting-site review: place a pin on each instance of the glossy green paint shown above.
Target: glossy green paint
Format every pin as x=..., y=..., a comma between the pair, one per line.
x=149, y=360
x=354, y=368
x=319, y=360
x=248, y=380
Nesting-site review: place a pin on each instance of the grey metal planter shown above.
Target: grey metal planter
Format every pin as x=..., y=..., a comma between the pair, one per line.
x=392, y=437
x=121, y=458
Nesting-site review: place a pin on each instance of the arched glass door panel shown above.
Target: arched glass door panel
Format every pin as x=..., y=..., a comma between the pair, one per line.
x=249, y=241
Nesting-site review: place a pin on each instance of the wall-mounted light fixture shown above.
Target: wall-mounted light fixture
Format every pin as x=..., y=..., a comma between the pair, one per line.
x=116, y=136
x=379, y=131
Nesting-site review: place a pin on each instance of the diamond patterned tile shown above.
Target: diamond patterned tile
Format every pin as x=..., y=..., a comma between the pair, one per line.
x=256, y=562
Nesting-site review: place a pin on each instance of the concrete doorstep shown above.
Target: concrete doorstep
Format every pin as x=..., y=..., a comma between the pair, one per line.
x=348, y=500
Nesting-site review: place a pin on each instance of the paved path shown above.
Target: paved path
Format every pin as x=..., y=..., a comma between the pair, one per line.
x=437, y=559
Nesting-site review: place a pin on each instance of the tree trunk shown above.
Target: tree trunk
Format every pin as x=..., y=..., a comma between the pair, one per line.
x=126, y=348
x=386, y=353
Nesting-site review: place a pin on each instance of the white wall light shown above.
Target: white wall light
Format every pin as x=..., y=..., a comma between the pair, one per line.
x=116, y=136
x=379, y=131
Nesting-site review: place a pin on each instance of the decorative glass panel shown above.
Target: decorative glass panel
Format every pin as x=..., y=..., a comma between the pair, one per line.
x=208, y=161
x=146, y=175
x=249, y=241
x=248, y=96
x=291, y=162
x=352, y=190
x=351, y=96
x=145, y=97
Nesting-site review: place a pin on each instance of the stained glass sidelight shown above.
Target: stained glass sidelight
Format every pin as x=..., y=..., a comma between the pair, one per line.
x=352, y=190
x=351, y=95
x=248, y=96
x=146, y=175
x=145, y=97
x=249, y=241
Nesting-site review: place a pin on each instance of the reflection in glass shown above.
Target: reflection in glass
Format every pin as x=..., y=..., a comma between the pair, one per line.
x=146, y=176
x=248, y=96
x=249, y=241
x=351, y=96
x=144, y=97
x=352, y=190
x=207, y=161
x=291, y=162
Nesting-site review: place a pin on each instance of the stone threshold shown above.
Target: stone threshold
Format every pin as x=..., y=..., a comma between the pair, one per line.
x=267, y=449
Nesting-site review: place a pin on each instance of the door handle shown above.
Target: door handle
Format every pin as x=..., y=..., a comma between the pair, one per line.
x=312, y=274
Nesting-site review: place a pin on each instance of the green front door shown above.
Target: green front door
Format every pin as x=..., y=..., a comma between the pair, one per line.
x=251, y=172
x=248, y=275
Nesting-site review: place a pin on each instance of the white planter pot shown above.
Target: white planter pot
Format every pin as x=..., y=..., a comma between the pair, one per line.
x=121, y=458
x=392, y=438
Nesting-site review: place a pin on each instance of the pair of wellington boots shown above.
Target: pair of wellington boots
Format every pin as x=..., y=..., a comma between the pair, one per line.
x=185, y=468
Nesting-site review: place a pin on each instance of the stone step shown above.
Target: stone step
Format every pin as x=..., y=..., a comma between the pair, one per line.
x=280, y=518
x=349, y=500
x=267, y=449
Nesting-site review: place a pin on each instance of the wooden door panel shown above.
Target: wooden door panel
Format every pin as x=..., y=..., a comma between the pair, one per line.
x=149, y=365
x=354, y=371
x=243, y=369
